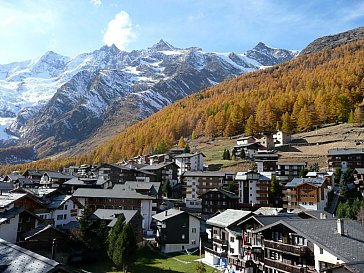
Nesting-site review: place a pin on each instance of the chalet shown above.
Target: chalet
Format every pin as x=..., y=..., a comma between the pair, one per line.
x=177, y=230
x=225, y=239
x=132, y=217
x=34, y=176
x=311, y=245
x=286, y=171
x=254, y=188
x=189, y=162
x=329, y=176
x=245, y=140
x=308, y=193
x=344, y=158
x=41, y=238
x=164, y=171
x=280, y=138
x=123, y=197
x=101, y=182
x=53, y=179
x=17, y=259
x=216, y=200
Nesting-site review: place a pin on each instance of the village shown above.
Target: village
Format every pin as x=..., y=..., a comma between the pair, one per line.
x=277, y=217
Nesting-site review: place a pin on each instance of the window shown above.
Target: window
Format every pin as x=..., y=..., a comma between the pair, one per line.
x=193, y=230
x=321, y=251
x=183, y=236
x=193, y=242
x=59, y=217
x=232, y=239
x=65, y=216
x=231, y=250
x=65, y=207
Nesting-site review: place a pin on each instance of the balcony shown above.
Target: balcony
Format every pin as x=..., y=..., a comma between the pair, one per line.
x=263, y=191
x=215, y=253
x=287, y=248
x=219, y=241
x=263, y=185
x=262, y=198
x=283, y=266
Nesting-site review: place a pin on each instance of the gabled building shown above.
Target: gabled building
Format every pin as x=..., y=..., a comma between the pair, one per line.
x=177, y=230
x=53, y=179
x=110, y=216
x=127, y=197
x=216, y=200
x=101, y=182
x=280, y=138
x=307, y=193
x=250, y=149
x=245, y=140
x=15, y=259
x=311, y=245
x=359, y=179
x=225, y=236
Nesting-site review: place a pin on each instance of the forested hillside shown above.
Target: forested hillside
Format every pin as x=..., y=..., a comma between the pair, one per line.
x=295, y=96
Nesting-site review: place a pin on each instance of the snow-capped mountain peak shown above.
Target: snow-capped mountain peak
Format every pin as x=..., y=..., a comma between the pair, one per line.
x=55, y=101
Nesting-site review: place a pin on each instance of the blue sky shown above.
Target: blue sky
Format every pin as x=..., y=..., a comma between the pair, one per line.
x=29, y=28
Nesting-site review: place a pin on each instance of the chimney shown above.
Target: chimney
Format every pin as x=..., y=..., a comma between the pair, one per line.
x=54, y=247
x=340, y=226
x=165, y=213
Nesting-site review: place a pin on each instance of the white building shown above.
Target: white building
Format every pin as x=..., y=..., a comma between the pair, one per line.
x=189, y=162
x=281, y=138
x=254, y=187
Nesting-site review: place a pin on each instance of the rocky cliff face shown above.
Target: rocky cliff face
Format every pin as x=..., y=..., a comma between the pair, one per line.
x=56, y=102
x=332, y=41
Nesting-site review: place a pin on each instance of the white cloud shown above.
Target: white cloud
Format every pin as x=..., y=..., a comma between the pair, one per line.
x=119, y=31
x=96, y=2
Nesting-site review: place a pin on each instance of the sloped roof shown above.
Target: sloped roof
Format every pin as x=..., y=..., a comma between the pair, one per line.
x=8, y=214
x=8, y=198
x=119, y=192
x=157, y=166
x=228, y=217
x=167, y=214
x=348, y=247
x=222, y=191
x=18, y=260
x=58, y=201
x=299, y=181
x=112, y=214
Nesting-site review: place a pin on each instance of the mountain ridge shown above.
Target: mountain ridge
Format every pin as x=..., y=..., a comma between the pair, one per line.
x=69, y=100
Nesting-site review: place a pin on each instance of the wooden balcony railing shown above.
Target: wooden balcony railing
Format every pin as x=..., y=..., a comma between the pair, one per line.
x=287, y=267
x=292, y=249
x=215, y=253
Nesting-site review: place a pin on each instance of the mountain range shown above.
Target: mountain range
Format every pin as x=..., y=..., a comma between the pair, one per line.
x=55, y=102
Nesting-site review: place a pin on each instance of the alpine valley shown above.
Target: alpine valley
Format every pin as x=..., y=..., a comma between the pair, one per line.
x=54, y=103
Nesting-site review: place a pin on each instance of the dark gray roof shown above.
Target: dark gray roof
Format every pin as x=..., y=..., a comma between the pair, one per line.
x=228, y=217
x=299, y=181
x=292, y=163
x=112, y=215
x=80, y=181
x=157, y=166
x=58, y=201
x=6, y=186
x=204, y=173
x=355, y=267
x=345, y=151
x=167, y=214
x=141, y=185
x=8, y=214
x=188, y=155
x=19, y=260
x=348, y=247
x=317, y=214
x=119, y=192
x=360, y=170
x=40, y=229
x=225, y=192
x=266, y=220
x=58, y=175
